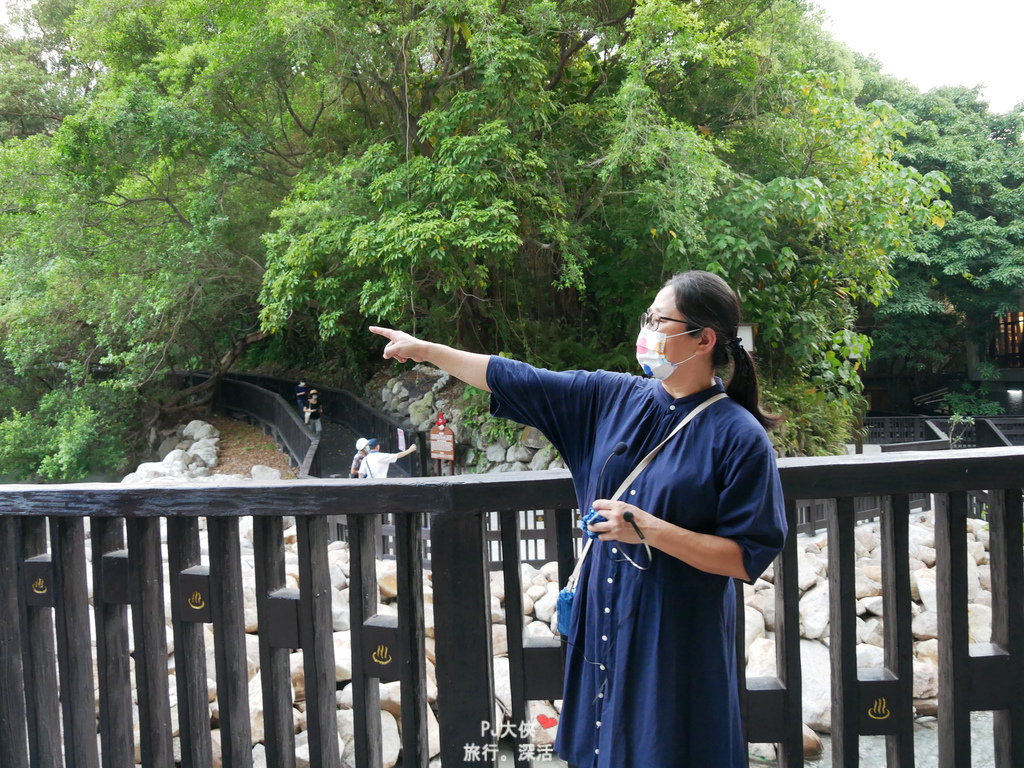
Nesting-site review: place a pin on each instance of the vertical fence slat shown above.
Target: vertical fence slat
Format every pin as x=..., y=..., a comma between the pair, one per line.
x=117, y=741
x=1006, y=557
x=787, y=644
x=189, y=650
x=317, y=634
x=145, y=567
x=363, y=599
x=462, y=634
x=951, y=593
x=275, y=673
x=514, y=626
x=13, y=744
x=226, y=608
x=74, y=642
x=791, y=749
x=899, y=640
x=40, y=673
x=843, y=635
x=412, y=640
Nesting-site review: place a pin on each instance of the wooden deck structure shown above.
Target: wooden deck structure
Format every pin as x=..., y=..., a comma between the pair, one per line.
x=46, y=690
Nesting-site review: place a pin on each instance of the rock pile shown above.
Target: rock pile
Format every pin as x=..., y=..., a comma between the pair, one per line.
x=814, y=613
x=187, y=454
x=420, y=394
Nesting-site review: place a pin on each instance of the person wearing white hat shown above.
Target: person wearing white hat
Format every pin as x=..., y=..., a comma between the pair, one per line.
x=357, y=460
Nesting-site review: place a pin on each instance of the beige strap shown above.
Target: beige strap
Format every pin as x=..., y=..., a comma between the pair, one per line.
x=637, y=470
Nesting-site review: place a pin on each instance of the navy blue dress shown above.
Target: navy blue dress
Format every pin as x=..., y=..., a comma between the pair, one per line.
x=650, y=679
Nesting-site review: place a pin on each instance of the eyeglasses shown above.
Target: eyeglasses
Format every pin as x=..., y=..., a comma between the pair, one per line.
x=653, y=320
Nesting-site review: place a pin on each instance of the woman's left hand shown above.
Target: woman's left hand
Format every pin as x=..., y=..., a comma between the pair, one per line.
x=615, y=528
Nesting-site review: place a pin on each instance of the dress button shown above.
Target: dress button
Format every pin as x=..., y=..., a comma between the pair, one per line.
x=602, y=667
x=615, y=550
x=597, y=751
x=607, y=610
x=671, y=407
x=633, y=492
x=598, y=723
x=610, y=579
x=600, y=695
x=605, y=638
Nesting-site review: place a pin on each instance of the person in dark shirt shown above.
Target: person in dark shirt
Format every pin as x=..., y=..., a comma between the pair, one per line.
x=302, y=395
x=314, y=410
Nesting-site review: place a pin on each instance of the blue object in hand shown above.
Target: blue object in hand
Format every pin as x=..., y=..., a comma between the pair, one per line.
x=592, y=516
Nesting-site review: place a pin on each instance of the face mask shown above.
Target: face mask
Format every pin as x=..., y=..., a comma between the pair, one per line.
x=650, y=352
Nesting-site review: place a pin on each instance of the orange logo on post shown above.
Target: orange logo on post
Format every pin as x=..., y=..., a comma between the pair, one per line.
x=196, y=601
x=879, y=711
x=39, y=587
x=381, y=655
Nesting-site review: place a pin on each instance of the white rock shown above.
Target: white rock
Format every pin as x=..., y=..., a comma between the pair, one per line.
x=926, y=589
x=979, y=623
x=814, y=612
x=926, y=680
x=807, y=572
x=497, y=579
x=925, y=626
x=262, y=474
x=544, y=608
x=753, y=625
x=864, y=586
x=192, y=426
x=499, y=639
x=816, y=676
x=342, y=656
x=872, y=605
x=761, y=658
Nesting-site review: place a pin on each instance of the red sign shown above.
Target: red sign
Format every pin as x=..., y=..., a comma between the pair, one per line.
x=442, y=443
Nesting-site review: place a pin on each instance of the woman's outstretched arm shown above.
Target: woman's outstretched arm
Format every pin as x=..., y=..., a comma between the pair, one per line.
x=470, y=367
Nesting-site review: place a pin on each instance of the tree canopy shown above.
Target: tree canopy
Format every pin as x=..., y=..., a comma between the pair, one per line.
x=189, y=184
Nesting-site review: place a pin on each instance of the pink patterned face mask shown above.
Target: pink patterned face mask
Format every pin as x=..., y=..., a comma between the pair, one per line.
x=650, y=352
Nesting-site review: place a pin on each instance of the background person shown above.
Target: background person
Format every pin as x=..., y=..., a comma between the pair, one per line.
x=302, y=395
x=651, y=675
x=314, y=411
x=357, y=460
x=377, y=464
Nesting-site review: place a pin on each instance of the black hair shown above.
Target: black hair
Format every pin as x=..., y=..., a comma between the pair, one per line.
x=706, y=301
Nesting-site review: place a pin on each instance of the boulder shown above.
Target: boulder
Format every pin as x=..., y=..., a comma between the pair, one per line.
x=262, y=474
x=816, y=676
x=814, y=612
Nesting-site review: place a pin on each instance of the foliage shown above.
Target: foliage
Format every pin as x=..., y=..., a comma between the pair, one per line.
x=69, y=437
x=511, y=177
x=956, y=279
x=476, y=415
x=814, y=423
x=971, y=400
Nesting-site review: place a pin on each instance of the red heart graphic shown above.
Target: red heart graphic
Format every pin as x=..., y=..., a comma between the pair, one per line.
x=546, y=722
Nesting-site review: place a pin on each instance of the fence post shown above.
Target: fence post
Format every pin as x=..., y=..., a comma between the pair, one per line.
x=462, y=634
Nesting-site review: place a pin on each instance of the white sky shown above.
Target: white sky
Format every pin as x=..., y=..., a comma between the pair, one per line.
x=930, y=42
x=938, y=42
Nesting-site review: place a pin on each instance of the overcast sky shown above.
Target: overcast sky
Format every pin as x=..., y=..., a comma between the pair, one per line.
x=930, y=42
x=938, y=42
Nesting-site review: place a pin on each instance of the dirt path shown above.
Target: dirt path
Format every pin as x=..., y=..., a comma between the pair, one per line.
x=242, y=447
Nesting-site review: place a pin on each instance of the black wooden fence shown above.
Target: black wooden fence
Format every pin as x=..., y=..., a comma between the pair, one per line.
x=43, y=594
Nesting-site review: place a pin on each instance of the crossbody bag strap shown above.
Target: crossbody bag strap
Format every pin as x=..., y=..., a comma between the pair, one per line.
x=637, y=470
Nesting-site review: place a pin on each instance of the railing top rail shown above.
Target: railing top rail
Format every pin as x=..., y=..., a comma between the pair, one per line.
x=802, y=478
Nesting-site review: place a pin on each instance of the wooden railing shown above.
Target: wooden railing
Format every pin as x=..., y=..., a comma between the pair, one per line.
x=44, y=594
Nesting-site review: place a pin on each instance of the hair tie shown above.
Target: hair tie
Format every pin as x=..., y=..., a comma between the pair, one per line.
x=736, y=345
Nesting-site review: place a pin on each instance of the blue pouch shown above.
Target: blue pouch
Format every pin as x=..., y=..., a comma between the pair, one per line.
x=564, y=608
x=593, y=516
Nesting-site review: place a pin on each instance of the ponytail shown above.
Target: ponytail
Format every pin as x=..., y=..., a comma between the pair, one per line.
x=743, y=386
x=707, y=301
